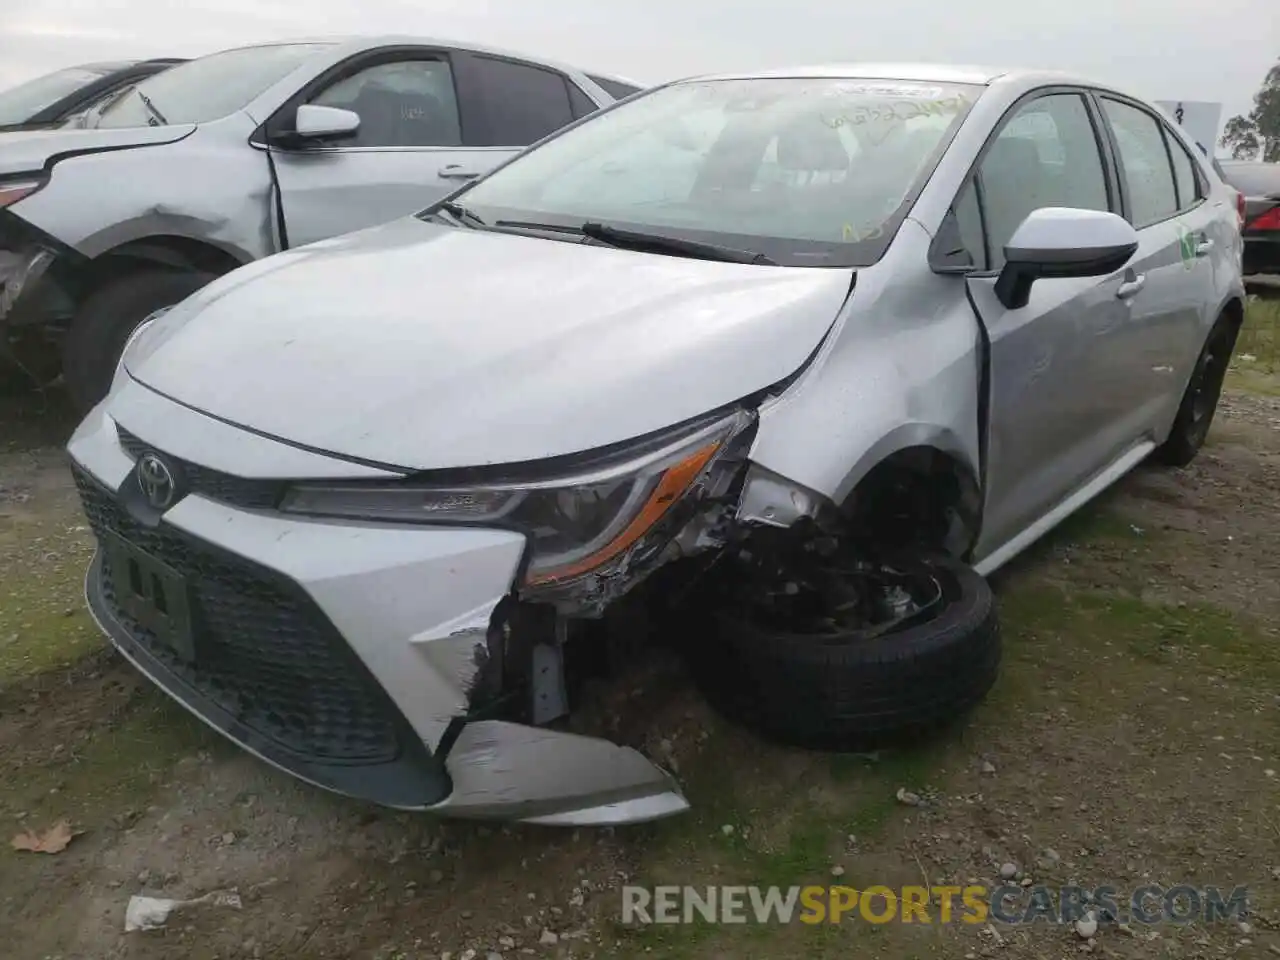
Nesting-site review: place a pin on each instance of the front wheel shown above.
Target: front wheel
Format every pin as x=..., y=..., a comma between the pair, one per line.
x=818, y=679
x=1200, y=401
x=104, y=321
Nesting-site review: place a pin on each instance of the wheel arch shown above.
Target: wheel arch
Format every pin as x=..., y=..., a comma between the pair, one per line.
x=1233, y=310
x=918, y=488
x=161, y=250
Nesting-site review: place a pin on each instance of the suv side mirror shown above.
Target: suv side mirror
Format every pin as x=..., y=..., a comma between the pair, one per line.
x=314, y=122
x=1055, y=242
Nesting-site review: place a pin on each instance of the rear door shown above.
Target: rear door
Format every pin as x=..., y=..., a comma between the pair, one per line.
x=1061, y=397
x=1164, y=196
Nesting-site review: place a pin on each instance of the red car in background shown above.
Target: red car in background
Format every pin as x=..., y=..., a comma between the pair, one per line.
x=1259, y=182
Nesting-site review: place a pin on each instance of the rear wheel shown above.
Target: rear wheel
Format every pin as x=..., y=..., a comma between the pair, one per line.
x=104, y=321
x=1200, y=401
x=800, y=674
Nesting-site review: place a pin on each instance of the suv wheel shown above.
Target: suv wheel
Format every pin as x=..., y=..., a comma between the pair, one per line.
x=852, y=688
x=104, y=321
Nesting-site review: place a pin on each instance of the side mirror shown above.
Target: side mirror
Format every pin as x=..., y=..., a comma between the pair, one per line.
x=314, y=122
x=1056, y=242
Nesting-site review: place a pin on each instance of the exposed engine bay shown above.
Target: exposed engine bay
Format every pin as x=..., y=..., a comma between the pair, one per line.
x=743, y=539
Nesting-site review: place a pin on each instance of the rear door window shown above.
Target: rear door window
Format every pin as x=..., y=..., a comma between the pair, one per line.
x=1185, y=175
x=1146, y=170
x=521, y=103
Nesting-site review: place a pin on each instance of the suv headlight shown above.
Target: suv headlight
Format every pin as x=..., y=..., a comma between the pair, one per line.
x=575, y=523
x=11, y=191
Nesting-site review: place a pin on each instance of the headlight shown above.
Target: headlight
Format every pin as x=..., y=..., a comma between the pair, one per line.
x=574, y=523
x=11, y=191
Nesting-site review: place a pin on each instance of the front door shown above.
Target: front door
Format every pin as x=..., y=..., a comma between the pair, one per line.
x=1060, y=393
x=408, y=152
x=430, y=122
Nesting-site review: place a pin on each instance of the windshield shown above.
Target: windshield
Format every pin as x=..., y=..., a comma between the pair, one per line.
x=814, y=171
x=19, y=104
x=206, y=89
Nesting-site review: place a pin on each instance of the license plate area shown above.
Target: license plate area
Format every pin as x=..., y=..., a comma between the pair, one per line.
x=152, y=594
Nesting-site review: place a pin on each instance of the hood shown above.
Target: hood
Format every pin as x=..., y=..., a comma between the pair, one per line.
x=29, y=151
x=425, y=346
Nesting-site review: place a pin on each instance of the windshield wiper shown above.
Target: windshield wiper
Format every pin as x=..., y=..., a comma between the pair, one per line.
x=92, y=117
x=660, y=243
x=462, y=214
x=531, y=225
x=157, y=118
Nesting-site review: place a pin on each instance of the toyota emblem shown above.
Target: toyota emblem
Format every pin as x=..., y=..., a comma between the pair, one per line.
x=157, y=481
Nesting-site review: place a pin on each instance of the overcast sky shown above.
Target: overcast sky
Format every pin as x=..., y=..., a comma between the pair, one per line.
x=1216, y=50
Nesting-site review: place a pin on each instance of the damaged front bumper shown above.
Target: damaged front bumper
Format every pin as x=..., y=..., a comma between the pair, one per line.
x=34, y=305
x=344, y=653
x=22, y=271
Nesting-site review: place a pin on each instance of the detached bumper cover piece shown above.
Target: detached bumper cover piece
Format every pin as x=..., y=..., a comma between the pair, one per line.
x=20, y=273
x=340, y=652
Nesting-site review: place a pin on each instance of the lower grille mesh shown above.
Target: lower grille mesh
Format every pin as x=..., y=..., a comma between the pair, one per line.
x=266, y=653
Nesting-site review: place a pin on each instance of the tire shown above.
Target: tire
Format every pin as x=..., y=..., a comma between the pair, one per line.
x=848, y=692
x=1200, y=401
x=91, y=349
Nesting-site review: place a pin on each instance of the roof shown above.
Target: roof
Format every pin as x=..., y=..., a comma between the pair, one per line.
x=916, y=73
x=616, y=78
x=355, y=43
x=105, y=66
x=926, y=72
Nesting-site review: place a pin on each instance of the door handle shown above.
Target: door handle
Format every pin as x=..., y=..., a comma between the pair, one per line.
x=455, y=171
x=1132, y=286
x=1203, y=246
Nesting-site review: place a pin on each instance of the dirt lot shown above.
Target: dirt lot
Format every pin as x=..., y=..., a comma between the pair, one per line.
x=1132, y=738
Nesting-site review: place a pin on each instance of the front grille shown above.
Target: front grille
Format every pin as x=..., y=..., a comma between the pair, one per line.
x=214, y=484
x=266, y=654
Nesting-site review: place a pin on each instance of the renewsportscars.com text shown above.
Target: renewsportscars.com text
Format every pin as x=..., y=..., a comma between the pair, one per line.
x=941, y=904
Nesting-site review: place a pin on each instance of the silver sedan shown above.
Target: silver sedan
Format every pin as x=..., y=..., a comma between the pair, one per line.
x=839, y=341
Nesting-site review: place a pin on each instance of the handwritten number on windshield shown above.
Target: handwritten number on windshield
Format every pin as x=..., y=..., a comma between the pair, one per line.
x=895, y=111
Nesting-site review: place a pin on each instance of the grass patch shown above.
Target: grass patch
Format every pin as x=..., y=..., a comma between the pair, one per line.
x=108, y=774
x=43, y=641
x=1097, y=523
x=1058, y=636
x=791, y=817
x=1255, y=366
x=43, y=622
x=1094, y=622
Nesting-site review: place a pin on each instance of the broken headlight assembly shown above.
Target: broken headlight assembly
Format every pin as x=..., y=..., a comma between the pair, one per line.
x=11, y=191
x=575, y=523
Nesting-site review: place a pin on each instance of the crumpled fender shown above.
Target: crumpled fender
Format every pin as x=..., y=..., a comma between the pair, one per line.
x=902, y=368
